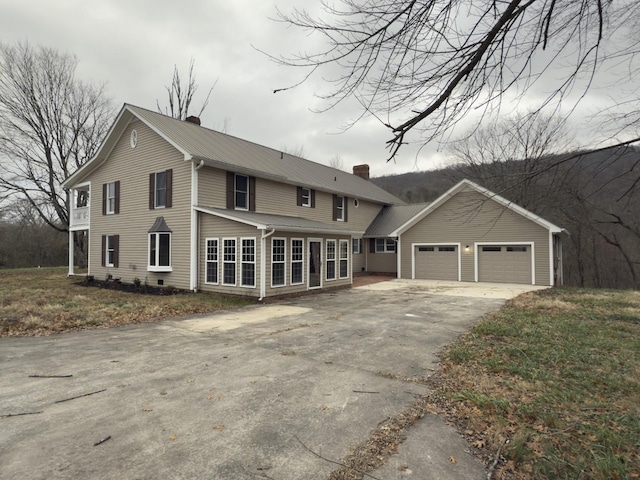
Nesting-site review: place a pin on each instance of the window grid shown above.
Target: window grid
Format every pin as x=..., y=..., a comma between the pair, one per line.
x=211, y=262
x=306, y=197
x=357, y=245
x=161, y=189
x=297, y=261
x=385, y=245
x=229, y=261
x=111, y=197
x=248, y=271
x=278, y=257
x=331, y=259
x=344, y=259
x=242, y=192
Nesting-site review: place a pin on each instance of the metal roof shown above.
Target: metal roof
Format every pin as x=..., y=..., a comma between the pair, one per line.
x=392, y=217
x=282, y=223
x=235, y=154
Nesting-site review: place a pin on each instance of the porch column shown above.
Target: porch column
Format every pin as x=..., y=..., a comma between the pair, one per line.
x=71, y=272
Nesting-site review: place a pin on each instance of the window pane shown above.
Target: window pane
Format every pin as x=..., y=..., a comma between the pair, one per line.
x=331, y=250
x=161, y=189
x=248, y=274
x=277, y=274
x=331, y=270
x=242, y=184
x=163, y=254
x=212, y=272
x=212, y=261
x=344, y=268
x=296, y=272
x=379, y=244
x=152, y=250
x=229, y=276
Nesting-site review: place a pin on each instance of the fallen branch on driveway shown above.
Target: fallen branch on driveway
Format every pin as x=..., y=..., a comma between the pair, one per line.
x=50, y=376
x=333, y=461
x=18, y=414
x=80, y=396
x=100, y=442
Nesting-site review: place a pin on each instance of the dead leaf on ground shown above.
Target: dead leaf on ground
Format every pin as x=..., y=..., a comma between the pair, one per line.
x=453, y=460
x=172, y=437
x=219, y=428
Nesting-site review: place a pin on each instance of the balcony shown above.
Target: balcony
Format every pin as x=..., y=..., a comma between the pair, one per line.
x=79, y=218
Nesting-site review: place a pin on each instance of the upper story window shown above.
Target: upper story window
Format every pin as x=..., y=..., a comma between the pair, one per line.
x=306, y=197
x=111, y=198
x=385, y=245
x=160, y=189
x=241, y=192
x=339, y=208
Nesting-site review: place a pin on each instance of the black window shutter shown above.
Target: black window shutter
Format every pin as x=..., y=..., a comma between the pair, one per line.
x=115, y=239
x=335, y=207
x=313, y=199
x=104, y=250
x=169, y=176
x=104, y=198
x=299, y=196
x=117, y=202
x=152, y=191
x=372, y=245
x=231, y=177
x=345, y=208
x=252, y=194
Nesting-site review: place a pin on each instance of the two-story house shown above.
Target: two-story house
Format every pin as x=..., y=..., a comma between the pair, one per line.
x=168, y=202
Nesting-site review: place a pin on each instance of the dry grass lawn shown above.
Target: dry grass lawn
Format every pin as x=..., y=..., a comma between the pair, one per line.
x=45, y=301
x=550, y=386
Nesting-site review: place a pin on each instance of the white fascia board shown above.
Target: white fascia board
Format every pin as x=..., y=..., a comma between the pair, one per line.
x=234, y=218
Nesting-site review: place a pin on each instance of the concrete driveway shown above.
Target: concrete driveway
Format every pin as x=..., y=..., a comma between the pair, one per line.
x=244, y=394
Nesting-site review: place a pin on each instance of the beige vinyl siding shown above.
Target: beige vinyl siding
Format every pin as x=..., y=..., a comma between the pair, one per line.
x=381, y=262
x=212, y=187
x=359, y=260
x=470, y=217
x=281, y=199
x=132, y=166
x=221, y=228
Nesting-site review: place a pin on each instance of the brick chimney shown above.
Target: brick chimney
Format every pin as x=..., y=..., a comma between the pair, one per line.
x=192, y=119
x=361, y=171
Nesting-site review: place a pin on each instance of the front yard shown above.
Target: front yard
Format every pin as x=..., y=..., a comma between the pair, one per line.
x=43, y=301
x=550, y=386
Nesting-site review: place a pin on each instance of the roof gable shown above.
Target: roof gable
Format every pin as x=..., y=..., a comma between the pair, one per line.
x=230, y=153
x=465, y=185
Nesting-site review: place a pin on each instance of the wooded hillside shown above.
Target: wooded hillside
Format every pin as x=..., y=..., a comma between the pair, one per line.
x=594, y=196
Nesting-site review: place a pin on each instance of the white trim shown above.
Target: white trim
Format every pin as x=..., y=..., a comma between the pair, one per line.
x=263, y=262
x=459, y=187
x=326, y=260
x=551, y=258
x=436, y=244
x=291, y=260
x=235, y=262
x=399, y=257
x=194, y=234
x=284, y=262
x=71, y=255
x=158, y=268
x=308, y=252
x=242, y=262
x=206, y=260
x=308, y=205
x=499, y=244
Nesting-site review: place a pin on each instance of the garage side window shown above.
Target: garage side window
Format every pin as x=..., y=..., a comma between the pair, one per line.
x=385, y=245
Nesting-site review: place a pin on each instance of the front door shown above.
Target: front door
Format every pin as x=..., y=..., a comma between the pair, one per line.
x=315, y=267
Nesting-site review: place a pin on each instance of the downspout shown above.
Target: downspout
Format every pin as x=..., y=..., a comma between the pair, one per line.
x=193, y=253
x=263, y=262
x=399, y=257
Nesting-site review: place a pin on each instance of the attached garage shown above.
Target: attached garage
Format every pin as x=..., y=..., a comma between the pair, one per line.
x=505, y=263
x=437, y=262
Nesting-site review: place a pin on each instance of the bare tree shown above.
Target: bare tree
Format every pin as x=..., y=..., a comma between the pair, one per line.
x=517, y=157
x=427, y=64
x=50, y=124
x=180, y=95
x=336, y=162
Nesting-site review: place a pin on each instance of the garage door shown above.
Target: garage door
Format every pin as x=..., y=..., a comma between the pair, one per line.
x=504, y=263
x=436, y=262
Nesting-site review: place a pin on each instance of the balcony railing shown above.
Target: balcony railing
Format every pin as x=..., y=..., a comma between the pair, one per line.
x=80, y=217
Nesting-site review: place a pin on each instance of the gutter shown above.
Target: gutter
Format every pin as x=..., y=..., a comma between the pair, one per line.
x=263, y=262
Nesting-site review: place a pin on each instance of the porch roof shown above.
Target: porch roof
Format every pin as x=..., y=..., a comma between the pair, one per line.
x=281, y=223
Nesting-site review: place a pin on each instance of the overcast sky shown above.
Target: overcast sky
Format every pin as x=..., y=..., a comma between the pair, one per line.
x=133, y=45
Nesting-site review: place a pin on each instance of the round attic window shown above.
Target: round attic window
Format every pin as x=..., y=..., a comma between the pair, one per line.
x=356, y=202
x=134, y=138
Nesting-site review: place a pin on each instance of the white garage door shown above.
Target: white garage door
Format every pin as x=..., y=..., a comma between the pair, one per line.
x=436, y=262
x=504, y=263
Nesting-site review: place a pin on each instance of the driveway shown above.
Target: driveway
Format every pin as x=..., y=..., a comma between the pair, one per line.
x=275, y=391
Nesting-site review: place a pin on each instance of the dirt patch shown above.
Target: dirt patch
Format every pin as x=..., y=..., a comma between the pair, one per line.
x=369, y=278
